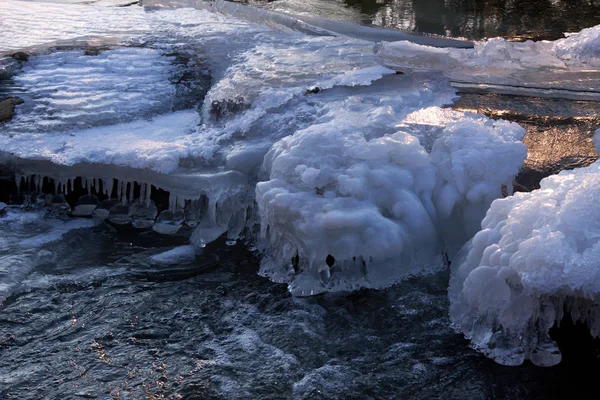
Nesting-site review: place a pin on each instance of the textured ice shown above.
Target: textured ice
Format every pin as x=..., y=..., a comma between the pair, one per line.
x=71, y=90
x=340, y=210
x=535, y=258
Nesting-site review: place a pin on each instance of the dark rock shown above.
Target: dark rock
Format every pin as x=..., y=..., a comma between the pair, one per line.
x=222, y=108
x=20, y=56
x=7, y=108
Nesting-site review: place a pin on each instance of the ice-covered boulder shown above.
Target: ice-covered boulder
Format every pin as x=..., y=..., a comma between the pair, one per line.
x=340, y=211
x=535, y=258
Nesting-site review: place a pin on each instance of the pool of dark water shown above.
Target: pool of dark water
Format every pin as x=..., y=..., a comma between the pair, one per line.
x=477, y=19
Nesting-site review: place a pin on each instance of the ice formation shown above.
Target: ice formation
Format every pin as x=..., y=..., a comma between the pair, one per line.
x=535, y=258
x=340, y=210
x=362, y=178
x=565, y=68
x=357, y=184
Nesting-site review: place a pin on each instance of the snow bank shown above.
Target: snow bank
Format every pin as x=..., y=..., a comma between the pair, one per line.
x=341, y=211
x=535, y=258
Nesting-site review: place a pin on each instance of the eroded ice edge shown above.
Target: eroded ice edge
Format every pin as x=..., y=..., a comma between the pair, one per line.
x=297, y=138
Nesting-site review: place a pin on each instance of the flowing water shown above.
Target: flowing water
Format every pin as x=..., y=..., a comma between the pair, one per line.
x=92, y=309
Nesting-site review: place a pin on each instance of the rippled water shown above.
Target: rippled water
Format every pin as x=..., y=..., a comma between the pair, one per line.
x=474, y=19
x=98, y=321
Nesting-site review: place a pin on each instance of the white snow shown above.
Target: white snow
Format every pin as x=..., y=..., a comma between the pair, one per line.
x=535, y=256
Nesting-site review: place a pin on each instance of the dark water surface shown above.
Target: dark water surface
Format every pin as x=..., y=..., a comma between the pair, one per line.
x=478, y=19
x=100, y=322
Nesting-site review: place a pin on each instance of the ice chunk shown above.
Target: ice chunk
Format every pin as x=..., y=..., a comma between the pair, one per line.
x=567, y=68
x=120, y=214
x=86, y=205
x=168, y=222
x=143, y=214
x=535, y=256
x=178, y=255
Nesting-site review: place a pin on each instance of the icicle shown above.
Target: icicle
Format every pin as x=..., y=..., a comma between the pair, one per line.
x=172, y=201
x=119, y=184
x=148, y=193
x=18, y=181
x=109, y=187
x=212, y=211
x=131, y=191
x=142, y=192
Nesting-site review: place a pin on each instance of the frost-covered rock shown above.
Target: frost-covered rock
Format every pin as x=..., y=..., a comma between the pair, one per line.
x=535, y=258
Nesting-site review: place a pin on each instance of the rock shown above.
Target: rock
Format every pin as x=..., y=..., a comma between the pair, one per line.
x=222, y=108
x=20, y=56
x=7, y=108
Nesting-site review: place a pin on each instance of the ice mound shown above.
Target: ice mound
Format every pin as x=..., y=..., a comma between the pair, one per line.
x=474, y=158
x=535, y=258
x=340, y=211
x=583, y=46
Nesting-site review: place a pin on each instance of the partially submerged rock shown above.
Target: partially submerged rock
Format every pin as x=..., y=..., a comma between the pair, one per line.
x=7, y=108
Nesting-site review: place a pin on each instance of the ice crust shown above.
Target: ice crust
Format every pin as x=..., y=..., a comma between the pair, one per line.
x=535, y=258
x=566, y=68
